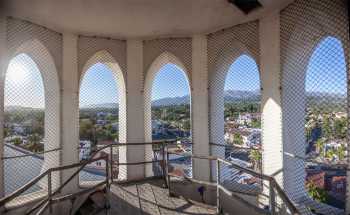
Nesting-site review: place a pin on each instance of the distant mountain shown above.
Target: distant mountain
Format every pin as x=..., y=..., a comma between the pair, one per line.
x=239, y=95
x=11, y=108
x=326, y=99
x=171, y=101
x=101, y=106
x=229, y=96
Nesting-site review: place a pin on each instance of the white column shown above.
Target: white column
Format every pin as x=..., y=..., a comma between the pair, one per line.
x=271, y=102
x=3, y=65
x=134, y=109
x=200, y=121
x=70, y=106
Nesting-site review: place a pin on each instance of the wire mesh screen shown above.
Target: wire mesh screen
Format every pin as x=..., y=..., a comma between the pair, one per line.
x=234, y=94
x=314, y=41
x=31, y=107
x=168, y=108
x=239, y=181
x=235, y=118
x=99, y=106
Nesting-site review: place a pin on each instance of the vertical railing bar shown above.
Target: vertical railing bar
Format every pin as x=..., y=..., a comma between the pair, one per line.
x=218, y=207
x=272, y=197
x=167, y=171
x=49, y=190
x=111, y=163
x=164, y=165
x=107, y=173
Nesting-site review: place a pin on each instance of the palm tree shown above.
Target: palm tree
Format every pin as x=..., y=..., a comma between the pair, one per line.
x=320, y=145
x=255, y=156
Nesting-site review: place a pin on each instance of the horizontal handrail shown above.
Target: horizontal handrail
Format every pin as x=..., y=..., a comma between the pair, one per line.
x=271, y=179
x=31, y=154
x=32, y=182
x=236, y=147
x=81, y=165
x=244, y=169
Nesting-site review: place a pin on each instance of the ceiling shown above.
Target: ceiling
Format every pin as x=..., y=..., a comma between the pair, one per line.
x=136, y=18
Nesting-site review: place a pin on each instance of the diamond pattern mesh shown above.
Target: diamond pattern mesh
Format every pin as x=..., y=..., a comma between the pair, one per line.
x=314, y=53
x=314, y=84
x=101, y=102
x=168, y=98
x=234, y=89
x=31, y=106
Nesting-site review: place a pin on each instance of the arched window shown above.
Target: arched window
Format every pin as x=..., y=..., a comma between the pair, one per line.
x=24, y=123
x=98, y=116
x=171, y=104
x=167, y=112
x=241, y=100
x=326, y=124
x=171, y=111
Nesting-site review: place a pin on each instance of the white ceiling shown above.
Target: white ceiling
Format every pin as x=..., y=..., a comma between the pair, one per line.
x=136, y=18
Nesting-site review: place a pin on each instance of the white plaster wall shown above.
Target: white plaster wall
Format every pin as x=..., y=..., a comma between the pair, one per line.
x=303, y=25
x=224, y=47
x=70, y=107
x=179, y=47
x=135, y=111
x=269, y=30
x=200, y=119
x=45, y=48
x=88, y=46
x=3, y=63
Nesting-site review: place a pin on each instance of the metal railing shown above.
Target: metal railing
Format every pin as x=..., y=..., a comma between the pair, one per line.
x=275, y=192
x=54, y=195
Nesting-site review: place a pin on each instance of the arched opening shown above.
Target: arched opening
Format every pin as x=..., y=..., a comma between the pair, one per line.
x=31, y=89
x=242, y=117
x=168, y=111
x=101, y=113
x=235, y=97
x=326, y=123
x=24, y=123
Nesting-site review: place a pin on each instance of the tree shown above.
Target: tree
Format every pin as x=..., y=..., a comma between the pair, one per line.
x=341, y=152
x=237, y=139
x=34, y=143
x=327, y=127
x=320, y=145
x=317, y=193
x=86, y=129
x=186, y=125
x=256, y=123
x=17, y=141
x=255, y=156
x=340, y=128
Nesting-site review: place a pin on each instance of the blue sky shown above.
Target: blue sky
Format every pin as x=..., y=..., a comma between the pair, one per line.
x=98, y=86
x=24, y=85
x=326, y=71
x=243, y=75
x=170, y=81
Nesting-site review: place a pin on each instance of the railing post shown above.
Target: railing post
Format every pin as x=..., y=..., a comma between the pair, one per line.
x=167, y=171
x=107, y=173
x=111, y=162
x=218, y=207
x=49, y=190
x=164, y=164
x=272, y=198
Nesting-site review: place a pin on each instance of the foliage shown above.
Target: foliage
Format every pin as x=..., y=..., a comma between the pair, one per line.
x=17, y=141
x=237, y=139
x=317, y=193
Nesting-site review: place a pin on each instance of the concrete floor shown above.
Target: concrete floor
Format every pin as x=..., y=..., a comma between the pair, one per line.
x=149, y=198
